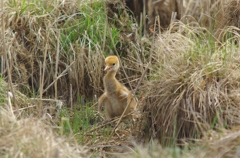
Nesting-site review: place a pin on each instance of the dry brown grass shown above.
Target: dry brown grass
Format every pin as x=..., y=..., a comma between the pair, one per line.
x=161, y=13
x=223, y=144
x=201, y=11
x=32, y=138
x=193, y=86
x=32, y=132
x=51, y=56
x=228, y=18
x=23, y=135
x=39, y=63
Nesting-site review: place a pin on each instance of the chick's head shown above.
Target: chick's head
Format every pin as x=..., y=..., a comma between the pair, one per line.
x=112, y=63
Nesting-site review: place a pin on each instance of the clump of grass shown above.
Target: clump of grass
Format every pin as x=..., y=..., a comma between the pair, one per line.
x=201, y=11
x=221, y=144
x=213, y=144
x=78, y=122
x=30, y=137
x=193, y=86
x=154, y=150
x=227, y=19
x=25, y=136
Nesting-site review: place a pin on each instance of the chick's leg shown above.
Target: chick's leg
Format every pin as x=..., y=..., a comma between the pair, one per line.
x=109, y=109
x=104, y=101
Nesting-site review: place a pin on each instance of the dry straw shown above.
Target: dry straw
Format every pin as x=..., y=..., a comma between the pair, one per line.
x=48, y=51
x=193, y=88
x=32, y=40
x=214, y=144
x=32, y=138
x=227, y=18
x=25, y=136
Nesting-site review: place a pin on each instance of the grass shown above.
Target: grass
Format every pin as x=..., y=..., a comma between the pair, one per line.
x=76, y=33
x=32, y=140
x=188, y=98
x=87, y=27
x=78, y=122
x=189, y=86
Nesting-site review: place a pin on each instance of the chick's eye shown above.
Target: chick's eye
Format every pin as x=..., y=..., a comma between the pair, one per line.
x=113, y=64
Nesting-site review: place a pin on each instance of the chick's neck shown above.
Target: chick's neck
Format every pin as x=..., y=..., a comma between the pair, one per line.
x=110, y=82
x=111, y=75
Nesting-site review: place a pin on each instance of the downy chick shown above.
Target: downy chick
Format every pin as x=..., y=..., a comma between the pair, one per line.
x=116, y=97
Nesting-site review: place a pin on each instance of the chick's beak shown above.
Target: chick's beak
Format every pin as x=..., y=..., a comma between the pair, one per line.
x=107, y=68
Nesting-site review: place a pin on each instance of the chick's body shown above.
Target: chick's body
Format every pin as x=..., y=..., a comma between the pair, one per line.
x=116, y=96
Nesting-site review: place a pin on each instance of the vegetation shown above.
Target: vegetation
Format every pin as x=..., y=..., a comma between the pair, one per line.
x=184, y=70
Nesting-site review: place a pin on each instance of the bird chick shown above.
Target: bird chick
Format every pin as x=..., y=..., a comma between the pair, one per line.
x=116, y=97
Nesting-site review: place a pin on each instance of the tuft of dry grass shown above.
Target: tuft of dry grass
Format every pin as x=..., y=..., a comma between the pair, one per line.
x=221, y=144
x=227, y=18
x=193, y=86
x=24, y=135
x=152, y=150
x=30, y=137
x=214, y=144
